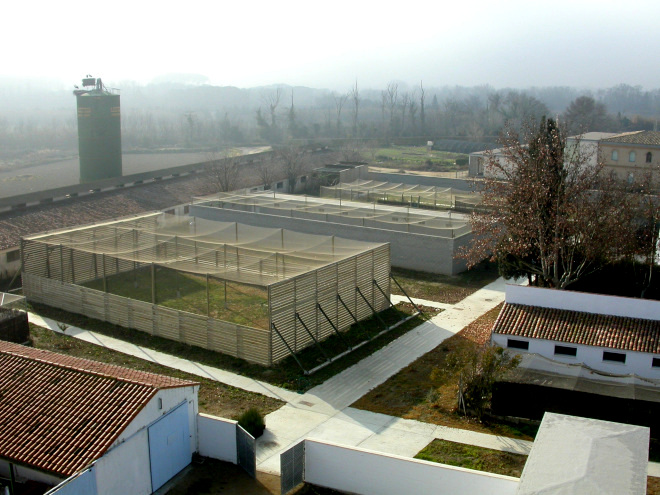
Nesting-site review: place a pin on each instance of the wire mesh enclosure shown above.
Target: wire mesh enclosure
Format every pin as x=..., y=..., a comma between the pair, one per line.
x=402, y=194
x=435, y=223
x=255, y=293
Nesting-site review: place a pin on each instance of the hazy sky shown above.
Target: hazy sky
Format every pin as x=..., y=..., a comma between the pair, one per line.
x=331, y=44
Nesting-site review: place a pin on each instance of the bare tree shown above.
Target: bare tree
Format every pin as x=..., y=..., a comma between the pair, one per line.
x=355, y=97
x=422, y=113
x=223, y=171
x=340, y=100
x=293, y=161
x=272, y=100
x=392, y=95
x=550, y=217
x=266, y=170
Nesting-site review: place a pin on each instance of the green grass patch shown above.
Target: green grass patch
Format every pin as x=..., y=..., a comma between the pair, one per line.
x=444, y=288
x=228, y=301
x=472, y=457
x=285, y=374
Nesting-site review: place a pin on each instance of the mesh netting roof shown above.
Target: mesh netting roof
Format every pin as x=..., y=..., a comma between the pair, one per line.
x=228, y=250
x=430, y=222
x=370, y=190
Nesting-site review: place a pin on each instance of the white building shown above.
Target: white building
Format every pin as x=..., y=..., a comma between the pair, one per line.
x=118, y=430
x=616, y=335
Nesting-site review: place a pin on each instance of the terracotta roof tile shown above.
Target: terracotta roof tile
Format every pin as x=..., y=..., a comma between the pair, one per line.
x=649, y=138
x=59, y=413
x=575, y=327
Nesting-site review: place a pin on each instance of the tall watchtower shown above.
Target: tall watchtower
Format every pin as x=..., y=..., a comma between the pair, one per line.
x=99, y=131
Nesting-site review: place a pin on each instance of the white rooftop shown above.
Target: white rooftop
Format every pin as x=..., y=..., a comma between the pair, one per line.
x=581, y=456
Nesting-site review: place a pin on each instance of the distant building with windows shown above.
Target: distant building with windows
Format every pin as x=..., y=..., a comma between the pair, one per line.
x=631, y=154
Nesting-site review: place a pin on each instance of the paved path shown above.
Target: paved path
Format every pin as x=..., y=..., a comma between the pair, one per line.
x=324, y=412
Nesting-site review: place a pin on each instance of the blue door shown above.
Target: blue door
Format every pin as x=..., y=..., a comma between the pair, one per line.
x=169, y=446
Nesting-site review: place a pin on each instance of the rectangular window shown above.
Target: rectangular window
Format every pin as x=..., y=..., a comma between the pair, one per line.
x=303, y=179
x=656, y=363
x=280, y=185
x=616, y=357
x=565, y=350
x=14, y=255
x=517, y=344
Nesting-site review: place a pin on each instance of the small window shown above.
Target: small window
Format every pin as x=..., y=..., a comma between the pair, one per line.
x=280, y=185
x=14, y=255
x=632, y=156
x=616, y=357
x=517, y=344
x=565, y=350
x=656, y=363
x=303, y=179
x=615, y=155
x=649, y=157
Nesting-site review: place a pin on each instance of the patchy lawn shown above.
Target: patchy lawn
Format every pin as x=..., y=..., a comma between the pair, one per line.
x=214, y=398
x=426, y=391
x=473, y=457
x=287, y=373
x=444, y=288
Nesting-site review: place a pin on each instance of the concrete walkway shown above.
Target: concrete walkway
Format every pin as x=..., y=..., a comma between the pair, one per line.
x=324, y=412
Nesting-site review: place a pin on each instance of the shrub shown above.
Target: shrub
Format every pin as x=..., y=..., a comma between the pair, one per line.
x=253, y=422
x=462, y=161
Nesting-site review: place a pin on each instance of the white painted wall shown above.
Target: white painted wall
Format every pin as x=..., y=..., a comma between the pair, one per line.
x=217, y=437
x=583, y=301
x=171, y=398
x=366, y=472
x=637, y=363
x=125, y=468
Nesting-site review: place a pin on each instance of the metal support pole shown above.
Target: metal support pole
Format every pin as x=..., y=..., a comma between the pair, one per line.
x=346, y=308
x=389, y=300
x=153, y=283
x=357, y=289
x=405, y=293
x=105, y=279
x=289, y=347
x=318, y=345
x=208, y=297
x=334, y=327
x=62, y=263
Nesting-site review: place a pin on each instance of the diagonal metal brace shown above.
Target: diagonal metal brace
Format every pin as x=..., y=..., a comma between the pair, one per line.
x=318, y=345
x=334, y=327
x=289, y=347
x=357, y=289
x=405, y=294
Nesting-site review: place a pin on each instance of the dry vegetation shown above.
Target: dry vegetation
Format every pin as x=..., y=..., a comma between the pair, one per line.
x=416, y=392
x=214, y=398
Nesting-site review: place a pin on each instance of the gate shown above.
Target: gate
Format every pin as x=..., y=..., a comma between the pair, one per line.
x=169, y=445
x=292, y=468
x=246, y=451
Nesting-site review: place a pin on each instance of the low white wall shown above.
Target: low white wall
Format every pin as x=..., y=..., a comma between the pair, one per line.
x=125, y=468
x=637, y=363
x=365, y=472
x=583, y=301
x=217, y=437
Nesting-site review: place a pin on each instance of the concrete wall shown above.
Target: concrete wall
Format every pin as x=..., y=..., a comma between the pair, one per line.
x=125, y=468
x=217, y=437
x=412, y=251
x=171, y=398
x=583, y=301
x=354, y=470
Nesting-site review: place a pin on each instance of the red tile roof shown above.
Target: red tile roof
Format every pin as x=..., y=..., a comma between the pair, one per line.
x=576, y=327
x=59, y=413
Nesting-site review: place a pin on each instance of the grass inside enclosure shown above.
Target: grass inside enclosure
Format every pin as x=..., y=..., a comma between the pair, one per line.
x=228, y=301
x=472, y=457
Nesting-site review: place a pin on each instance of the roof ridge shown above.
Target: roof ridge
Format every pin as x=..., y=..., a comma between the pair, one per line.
x=95, y=367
